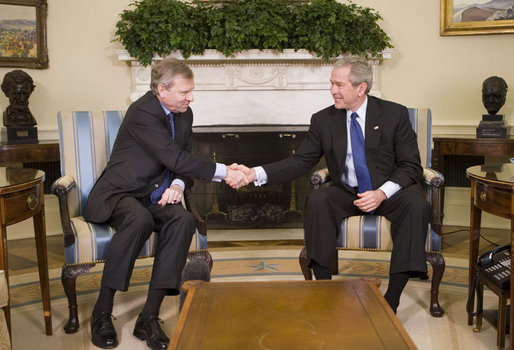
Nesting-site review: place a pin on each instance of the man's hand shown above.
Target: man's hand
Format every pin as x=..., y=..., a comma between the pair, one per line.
x=369, y=200
x=249, y=172
x=172, y=195
x=235, y=177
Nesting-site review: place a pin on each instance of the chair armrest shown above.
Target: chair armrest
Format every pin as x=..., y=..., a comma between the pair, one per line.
x=433, y=177
x=61, y=187
x=201, y=225
x=319, y=177
x=435, y=184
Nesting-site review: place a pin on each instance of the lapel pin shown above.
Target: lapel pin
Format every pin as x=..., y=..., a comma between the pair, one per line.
x=376, y=127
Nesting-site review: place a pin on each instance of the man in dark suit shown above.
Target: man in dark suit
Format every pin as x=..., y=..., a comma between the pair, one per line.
x=140, y=191
x=372, y=155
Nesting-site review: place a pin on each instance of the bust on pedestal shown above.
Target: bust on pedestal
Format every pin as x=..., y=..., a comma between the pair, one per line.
x=492, y=125
x=18, y=120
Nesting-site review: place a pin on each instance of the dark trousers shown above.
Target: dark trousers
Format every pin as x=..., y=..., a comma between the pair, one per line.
x=134, y=220
x=407, y=210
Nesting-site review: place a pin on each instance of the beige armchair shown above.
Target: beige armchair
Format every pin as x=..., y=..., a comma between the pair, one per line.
x=85, y=140
x=376, y=229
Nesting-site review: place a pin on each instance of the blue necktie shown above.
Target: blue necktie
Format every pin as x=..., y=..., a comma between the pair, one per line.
x=156, y=195
x=359, y=156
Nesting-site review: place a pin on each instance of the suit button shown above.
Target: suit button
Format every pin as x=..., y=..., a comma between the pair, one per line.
x=156, y=185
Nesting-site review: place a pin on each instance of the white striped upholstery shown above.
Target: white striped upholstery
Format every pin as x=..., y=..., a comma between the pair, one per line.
x=85, y=143
x=85, y=140
x=421, y=120
x=373, y=232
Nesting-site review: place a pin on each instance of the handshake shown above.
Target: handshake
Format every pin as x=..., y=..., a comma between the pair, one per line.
x=239, y=175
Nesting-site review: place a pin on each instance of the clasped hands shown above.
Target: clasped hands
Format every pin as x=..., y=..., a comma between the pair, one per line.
x=239, y=175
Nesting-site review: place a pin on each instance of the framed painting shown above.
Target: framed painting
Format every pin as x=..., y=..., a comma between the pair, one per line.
x=467, y=17
x=23, y=34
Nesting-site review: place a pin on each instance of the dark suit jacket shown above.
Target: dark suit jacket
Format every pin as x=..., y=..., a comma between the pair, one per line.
x=142, y=152
x=390, y=142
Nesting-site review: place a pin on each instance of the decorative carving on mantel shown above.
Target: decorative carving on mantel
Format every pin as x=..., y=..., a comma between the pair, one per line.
x=283, y=85
x=260, y=77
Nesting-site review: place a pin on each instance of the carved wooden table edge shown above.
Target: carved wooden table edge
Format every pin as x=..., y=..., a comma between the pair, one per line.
x=355, y=284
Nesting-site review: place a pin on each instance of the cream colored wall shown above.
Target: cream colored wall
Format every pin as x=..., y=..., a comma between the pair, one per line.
x=426, y=69
x=444, y=73
x=83, y=73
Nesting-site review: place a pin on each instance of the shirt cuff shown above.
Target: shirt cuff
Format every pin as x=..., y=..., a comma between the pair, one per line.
x=262, y=177
x=390, y=188
x=179, y=183
x=220, y=173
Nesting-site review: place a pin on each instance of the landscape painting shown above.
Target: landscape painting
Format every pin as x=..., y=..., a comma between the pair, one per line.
x=466, y=17
x=482, y=10
x=18, y=31
x=23, y=34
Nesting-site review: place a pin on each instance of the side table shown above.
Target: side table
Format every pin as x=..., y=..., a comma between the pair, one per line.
x=44, y=151
x=446, y=146
x=492, y=189
x=22, y=197
x=43, y=155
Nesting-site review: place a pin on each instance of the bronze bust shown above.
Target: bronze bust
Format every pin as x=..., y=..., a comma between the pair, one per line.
x=18, y=86
x=494, y=91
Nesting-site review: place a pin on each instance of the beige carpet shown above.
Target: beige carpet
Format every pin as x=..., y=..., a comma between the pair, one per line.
x=448, y=332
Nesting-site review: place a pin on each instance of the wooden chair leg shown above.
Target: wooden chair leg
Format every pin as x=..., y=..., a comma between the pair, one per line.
x=438, y=266
x=306, y=270
x=69, y=281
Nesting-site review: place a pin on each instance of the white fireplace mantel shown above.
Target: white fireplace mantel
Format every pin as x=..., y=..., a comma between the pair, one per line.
x=253, y=87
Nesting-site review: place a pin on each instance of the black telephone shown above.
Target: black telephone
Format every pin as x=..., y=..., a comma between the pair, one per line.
x=495, y=265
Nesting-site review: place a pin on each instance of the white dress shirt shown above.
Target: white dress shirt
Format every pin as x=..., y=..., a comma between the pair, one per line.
x=349, y=177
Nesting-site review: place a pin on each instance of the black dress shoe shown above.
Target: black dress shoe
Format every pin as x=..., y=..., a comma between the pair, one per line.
x=149, y=329
x=103, y=333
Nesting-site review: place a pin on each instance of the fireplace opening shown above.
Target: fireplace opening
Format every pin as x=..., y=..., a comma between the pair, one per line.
x=250, y=207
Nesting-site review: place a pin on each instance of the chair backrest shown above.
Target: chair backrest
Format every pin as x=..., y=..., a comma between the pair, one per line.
x=85, y=143
x=421, y=120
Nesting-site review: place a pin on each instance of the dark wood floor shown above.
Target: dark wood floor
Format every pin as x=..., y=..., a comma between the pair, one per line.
x=22, y=252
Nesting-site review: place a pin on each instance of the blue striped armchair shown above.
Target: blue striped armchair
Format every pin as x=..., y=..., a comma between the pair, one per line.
x=85, y=142
x=372, y=232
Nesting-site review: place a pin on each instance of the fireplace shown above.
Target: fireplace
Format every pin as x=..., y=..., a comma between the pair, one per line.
x=250, y=207
x=279, y=91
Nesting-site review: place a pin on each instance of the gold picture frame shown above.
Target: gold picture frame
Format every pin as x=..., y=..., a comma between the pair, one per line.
x=469, y=17
x=23, y=34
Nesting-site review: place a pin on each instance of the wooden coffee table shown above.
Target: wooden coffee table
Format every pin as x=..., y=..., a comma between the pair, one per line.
x=350, y=314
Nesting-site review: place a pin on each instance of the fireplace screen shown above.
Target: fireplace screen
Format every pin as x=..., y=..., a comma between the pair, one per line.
x=251, y=206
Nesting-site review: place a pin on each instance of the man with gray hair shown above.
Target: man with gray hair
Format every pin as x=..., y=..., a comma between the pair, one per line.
x=372, y=156
x=140, y=191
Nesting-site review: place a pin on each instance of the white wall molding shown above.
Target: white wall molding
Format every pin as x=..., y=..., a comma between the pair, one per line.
x=271, y=87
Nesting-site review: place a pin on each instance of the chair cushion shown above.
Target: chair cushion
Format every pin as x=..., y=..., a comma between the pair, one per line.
x=92, y=242
x=373, y=232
